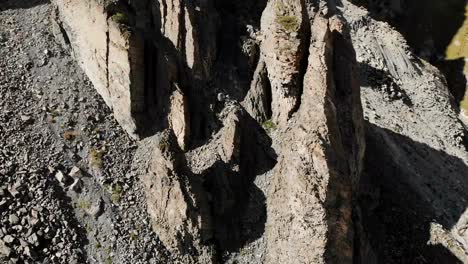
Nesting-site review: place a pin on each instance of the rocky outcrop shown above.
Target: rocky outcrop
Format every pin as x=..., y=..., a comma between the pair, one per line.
x=110, y=52
x=310, y=195
x=309, y=203
x=156, y=62
x=197, y=199
x=285, y=37
x=179, y=117
x=254, y=120
x=253, y=145
x=177, y=204
x=258, y=99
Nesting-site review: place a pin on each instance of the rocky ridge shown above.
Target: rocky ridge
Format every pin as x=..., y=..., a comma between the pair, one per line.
x=252, y=136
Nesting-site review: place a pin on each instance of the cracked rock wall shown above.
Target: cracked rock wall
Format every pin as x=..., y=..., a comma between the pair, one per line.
x=110, y=53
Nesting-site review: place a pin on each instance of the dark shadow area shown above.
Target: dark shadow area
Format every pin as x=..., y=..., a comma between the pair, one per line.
x=343, y=116
x=218, y=66
x=238, y=206
x=230, y=208
x=456, y=80
x=429, y=26
x=382, y=81
x=407, y=185
x=17, y=4
x=166, y=70
x=234, y=67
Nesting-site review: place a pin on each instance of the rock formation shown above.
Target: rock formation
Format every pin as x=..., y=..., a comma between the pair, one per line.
x=251, y=141
x=307, y=66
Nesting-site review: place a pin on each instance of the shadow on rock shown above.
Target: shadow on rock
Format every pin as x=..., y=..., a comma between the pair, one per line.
x=382, y=81
x=406, y=186
x=429, y=27
x=238, y=206
x=16, y=4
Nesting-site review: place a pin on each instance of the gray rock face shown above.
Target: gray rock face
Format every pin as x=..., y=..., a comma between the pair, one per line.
x=415, y=142
x=176, y=202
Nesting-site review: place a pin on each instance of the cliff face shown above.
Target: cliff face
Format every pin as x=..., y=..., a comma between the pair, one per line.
x=251, y=125
x=180, y=66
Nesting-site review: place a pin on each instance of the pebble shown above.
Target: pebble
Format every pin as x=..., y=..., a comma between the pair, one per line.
x=13, y=219
x=75, y=172
x=59, y=176
x=4, y=249
x=8, y=239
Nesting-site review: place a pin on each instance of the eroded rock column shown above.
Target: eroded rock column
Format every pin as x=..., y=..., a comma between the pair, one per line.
x=310, y=199
x=284, y=29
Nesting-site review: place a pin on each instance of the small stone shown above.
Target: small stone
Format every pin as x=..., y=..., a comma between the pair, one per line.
x=13, y=189
x=59, y=176
x=220, y=97
x=8, y=239
x=25, y=118
x=4, y=249
x=32, y=239
x=34, y=213
x=76, y=185
x=42, y=62
x=13, y=219
x=75, y=172
x=96, y=209
x=2, y=204
x=30, y=253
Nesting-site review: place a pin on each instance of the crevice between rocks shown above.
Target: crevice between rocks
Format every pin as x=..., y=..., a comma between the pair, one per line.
x=304, y=62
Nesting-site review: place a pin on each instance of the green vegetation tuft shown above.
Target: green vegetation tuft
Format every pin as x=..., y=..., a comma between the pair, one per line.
x=83, y=204
x=95, y=158
x=289, y=23
x=116, y=193
x=269, y=126
x=120, y=18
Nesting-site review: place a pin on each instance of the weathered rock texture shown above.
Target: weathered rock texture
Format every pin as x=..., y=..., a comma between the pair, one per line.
x=176, y=201
x=309, y=204
x=253, y=118
x=167, y=63
x=111, y=54
x=285, y=36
